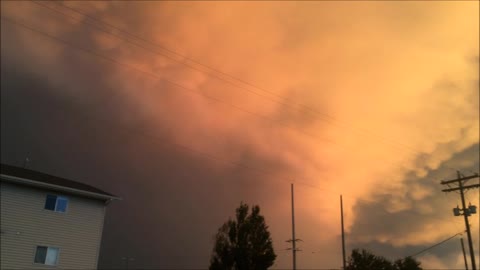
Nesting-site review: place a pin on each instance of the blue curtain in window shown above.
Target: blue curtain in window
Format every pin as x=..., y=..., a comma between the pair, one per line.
x=61, y=204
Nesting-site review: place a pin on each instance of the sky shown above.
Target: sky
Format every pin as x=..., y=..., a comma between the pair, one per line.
x=185, y=109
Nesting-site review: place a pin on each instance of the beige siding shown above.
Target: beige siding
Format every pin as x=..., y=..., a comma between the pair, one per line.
x=25, y=224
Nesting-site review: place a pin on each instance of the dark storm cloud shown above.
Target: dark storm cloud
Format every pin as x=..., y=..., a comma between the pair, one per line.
x=81, y=117
x=173, y=200
x=375, y=218
x=70, y=119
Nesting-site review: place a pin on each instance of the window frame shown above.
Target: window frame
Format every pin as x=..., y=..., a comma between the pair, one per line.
x=57, y=199
x=66, y=205
x=57, y=259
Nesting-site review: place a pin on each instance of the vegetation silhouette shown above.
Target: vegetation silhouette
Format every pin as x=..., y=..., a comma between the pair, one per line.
x=365, y=260
x=243, y=243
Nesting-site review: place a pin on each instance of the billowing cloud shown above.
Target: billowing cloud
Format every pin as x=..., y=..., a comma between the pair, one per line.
x=372, y=100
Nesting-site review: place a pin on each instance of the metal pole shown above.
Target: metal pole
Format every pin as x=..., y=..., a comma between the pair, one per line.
x=343, y=233
x=464, y=255
x=294, y=249
x=465, y=215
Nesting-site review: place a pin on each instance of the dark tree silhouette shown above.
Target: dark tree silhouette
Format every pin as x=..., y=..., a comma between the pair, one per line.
x=407, y=263
x=243, y=243
x=365, y=260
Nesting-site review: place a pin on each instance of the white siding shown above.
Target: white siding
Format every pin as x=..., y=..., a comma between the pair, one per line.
x=25, y=224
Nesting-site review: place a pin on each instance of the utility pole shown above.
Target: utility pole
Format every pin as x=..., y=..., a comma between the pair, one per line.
x=294, y=249
x=464, y=255
x=343, y=233
x=465, y=212
x=293, y=240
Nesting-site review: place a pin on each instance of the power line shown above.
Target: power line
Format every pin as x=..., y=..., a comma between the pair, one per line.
x=182, y=61
x=269, y=119
x=175, y=84
x=464, y=211
x=186, y=147
x=437, y=244
x=182, y=57
x=150, y=74
x=55, y=38
x=94, y=53
x=152, y=137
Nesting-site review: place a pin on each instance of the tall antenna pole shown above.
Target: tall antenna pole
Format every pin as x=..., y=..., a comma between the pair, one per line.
x=464, y=255
x=343, y=233
x=294, y=249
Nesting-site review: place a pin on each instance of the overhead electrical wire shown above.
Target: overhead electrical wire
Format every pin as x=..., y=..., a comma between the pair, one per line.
x=182, y=61
x=175, y=84
x=269, y=119
x=436, y=245
x=176, y=145
x=158, y=77
x=94, y=53
x=154, y=138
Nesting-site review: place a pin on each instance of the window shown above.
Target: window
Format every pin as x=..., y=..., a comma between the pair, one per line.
x=56, y=203
x=46, y=255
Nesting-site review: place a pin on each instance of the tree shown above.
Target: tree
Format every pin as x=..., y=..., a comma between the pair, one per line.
x=243, y=243
x=365, y=260
x=407, y=263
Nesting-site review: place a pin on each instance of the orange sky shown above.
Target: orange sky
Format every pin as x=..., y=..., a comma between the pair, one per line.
x=374, y=100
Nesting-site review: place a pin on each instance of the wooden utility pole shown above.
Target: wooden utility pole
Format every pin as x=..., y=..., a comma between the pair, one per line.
x=465, y=212
x=464, y=255
x=293, y=240
x=343, y=233
x=294, y=249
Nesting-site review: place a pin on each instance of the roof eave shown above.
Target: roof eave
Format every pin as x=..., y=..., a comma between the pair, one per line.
x=33, y=183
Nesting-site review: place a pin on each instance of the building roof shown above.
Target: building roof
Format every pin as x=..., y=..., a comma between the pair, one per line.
x=44, y=180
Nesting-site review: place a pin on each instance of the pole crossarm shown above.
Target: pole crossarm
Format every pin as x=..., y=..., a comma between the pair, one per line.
x=459, y=179
x=464, y=187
